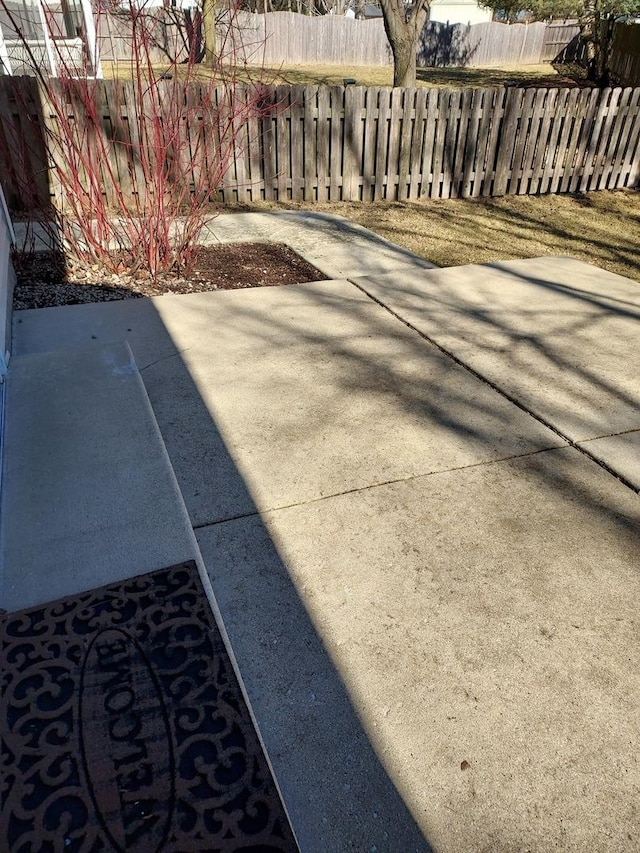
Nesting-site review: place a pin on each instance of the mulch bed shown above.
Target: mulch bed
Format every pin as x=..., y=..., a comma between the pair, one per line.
x=45, y=280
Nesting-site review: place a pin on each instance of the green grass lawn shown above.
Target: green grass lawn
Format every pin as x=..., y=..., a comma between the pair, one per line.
x=602, y=228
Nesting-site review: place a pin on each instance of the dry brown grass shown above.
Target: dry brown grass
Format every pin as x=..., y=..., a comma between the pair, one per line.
x=378, y=75
x=602, y=228
x=382, y=75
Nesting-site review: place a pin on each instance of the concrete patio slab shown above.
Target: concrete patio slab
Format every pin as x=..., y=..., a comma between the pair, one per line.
x=621, y=453
x=483, y=623
x=430, y=596
x=314, y=390
x=557, y=334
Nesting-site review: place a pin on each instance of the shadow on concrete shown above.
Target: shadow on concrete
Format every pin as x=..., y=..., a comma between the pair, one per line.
x=338, y=794
x=570, y=361
x=234, y=462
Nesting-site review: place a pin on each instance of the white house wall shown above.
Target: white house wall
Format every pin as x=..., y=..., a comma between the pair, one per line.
x=459, y=13
x=7, y=281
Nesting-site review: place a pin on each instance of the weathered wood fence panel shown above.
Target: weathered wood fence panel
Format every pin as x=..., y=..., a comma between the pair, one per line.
x=290, y=38
x=278, y=38
x=23, y=151
x=287, y=37
x=625, y=54
x=380, y=143
x=366, y=144
x=562, y=42
x=477, y=45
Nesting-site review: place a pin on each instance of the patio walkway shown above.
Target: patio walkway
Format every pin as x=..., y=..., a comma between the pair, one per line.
x=415, y=495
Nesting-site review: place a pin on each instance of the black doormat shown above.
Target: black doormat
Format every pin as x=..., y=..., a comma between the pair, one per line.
x=124, y=728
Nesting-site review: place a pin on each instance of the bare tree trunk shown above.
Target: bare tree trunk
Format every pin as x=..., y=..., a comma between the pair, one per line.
x=404, y=63
x=403, y=28
x=360, y=7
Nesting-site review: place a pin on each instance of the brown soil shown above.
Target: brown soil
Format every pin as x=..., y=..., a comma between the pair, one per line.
x=45, y=280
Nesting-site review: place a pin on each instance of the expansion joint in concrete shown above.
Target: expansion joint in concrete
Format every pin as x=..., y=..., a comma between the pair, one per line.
x=575, y=445
x=373, y=486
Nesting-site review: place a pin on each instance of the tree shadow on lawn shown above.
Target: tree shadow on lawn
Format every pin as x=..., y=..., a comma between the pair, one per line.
x=461, y=231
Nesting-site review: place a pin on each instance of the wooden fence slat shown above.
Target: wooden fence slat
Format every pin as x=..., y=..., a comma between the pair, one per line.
x=467, y=168
x=382, y=143
x=592, y=148
x=630, y=135
x=415, y=156
x=105, y=104
x=583, y=142
x=458, y=165
x=297, y=143
x=54, y=155
x=535, y=143
x=215, y=142
x=337, y=142
x=610, y=155
x=353, y=142
x=283, y=141
x=430, y=122
x=129, y=103
x=240, y=142
x=486, y=99
x=404, y=161
x=507, y=139
x=530, y=128
x=33, y=135
x=449, y=141
x=310, y=179
x=324, y=116
x=254, y=141
x=600, y=161
x=579, y=111
x=563, y=140
x=554, y=132
x=269, y=143
x=395, y=124
x=496, y=117
x=437, y=182
x=370, y=139
x=546, y=100
x=634, y=157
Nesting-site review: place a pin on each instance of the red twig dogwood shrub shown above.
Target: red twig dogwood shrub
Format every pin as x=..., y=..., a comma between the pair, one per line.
x=135, y=162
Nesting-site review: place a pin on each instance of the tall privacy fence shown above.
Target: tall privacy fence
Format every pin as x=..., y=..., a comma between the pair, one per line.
x=625, y=54
x=288, y=38
x=350, y=143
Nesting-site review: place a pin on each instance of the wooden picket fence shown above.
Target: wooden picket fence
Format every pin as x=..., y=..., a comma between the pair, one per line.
x=364, y=144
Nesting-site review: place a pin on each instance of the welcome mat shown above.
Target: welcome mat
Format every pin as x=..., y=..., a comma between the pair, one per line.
x=124, y=728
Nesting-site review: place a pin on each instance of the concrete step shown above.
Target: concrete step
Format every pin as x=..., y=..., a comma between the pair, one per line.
x=89, y=496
